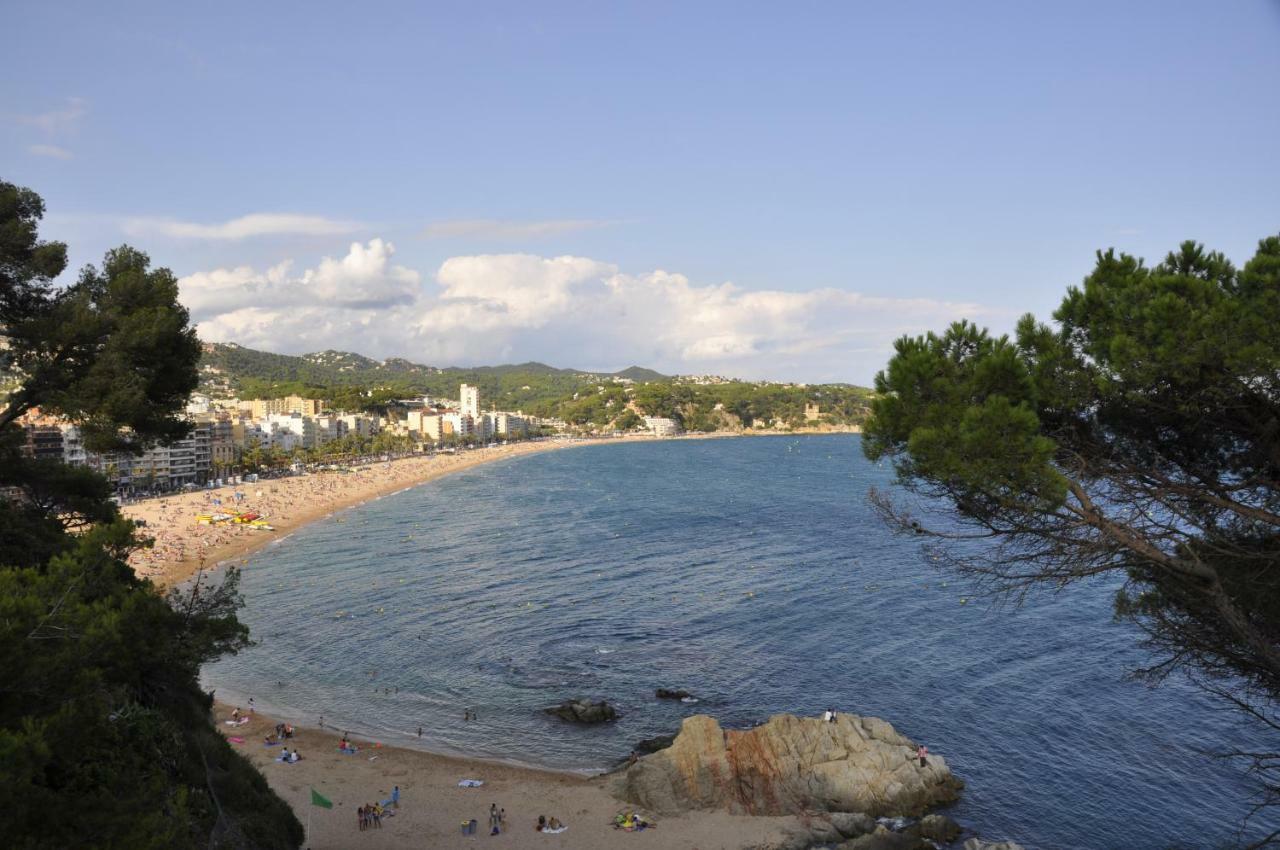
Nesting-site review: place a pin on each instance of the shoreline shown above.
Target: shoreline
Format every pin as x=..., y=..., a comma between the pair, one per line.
x=433, y=807
x=183, y=548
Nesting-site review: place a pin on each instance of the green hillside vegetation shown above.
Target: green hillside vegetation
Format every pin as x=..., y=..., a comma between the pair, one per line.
x=588, y=400
x=105, y=735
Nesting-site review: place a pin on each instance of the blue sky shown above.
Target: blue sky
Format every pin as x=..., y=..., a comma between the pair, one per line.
x=756, y=190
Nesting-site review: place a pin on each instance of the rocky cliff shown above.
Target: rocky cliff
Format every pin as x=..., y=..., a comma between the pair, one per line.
x=789, y=765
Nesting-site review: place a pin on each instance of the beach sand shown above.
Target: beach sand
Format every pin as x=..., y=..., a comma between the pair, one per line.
x=182, y=546
x=433, y=807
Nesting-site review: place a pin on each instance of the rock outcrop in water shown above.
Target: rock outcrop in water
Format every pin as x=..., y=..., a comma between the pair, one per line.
x=669, y=693
x=583, y=711
x=789, y=765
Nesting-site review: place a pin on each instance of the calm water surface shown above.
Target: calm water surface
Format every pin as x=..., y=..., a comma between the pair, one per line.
x=751, y=572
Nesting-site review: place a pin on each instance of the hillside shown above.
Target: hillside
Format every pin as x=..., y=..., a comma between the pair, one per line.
x=585, y=399
x=229, y=369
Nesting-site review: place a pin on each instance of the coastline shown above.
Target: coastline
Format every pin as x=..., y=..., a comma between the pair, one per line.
x=182, y=547
x=433, y=806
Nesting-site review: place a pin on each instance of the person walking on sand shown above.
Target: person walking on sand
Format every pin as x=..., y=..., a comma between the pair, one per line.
x=921, y=753
x=493, y=819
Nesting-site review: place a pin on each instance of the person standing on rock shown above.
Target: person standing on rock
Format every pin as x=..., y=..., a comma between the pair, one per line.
x=921, y=752
x=826, y=716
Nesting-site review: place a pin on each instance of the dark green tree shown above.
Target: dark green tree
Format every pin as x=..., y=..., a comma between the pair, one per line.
x=105, y=738
x=1140, y=436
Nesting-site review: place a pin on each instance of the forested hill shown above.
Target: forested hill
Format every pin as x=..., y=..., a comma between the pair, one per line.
x=230, y=369
x=351, y=381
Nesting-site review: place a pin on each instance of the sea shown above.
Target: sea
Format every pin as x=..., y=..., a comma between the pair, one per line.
x=753, y=573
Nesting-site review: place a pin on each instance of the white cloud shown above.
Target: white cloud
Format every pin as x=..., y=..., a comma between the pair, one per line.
x=363, y=280
x=49, y=150
x=57, y=121
x=254, y=224
x=508, y=231
x=568, y=311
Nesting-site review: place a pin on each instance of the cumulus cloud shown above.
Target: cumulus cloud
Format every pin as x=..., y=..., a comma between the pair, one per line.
x=227, y=302
x=254, y=224
x=568, y=311
x=508, y=231
x=52, y=151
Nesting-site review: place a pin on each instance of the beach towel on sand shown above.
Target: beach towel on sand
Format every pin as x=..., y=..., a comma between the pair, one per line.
x=470, y=783
x=554, y=831
x=236, y=740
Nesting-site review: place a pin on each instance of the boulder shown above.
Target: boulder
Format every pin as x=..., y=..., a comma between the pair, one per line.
x=663, y=693
x=651, y=745
x=789, y=765
x=583, y=711
x=883, y=839
x=940, y=828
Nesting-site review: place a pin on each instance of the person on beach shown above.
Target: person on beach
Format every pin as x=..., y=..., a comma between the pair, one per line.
x=542, y=823
x=395, y=797
x=921, y=752
x=235, y=714
x=826, y=716
x=493, y=820
x=251, y=705
x=419, y=731
x=831, y=715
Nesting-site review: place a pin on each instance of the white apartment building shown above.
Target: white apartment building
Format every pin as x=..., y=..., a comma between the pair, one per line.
x=458, y=423
x=73, y=445
x=469, y=401
x=661, y=427
x=361, y=426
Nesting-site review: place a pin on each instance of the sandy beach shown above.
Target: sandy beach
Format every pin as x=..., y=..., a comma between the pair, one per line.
x=433, y=807
x=182, y=546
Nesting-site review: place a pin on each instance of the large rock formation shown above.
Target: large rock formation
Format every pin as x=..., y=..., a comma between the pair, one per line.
x=788, y=765
x=583, y=711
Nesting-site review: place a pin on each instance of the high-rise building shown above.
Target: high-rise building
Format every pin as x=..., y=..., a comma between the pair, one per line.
x=469, y=401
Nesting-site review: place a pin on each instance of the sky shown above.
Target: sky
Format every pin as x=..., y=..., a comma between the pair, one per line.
x=765, y=191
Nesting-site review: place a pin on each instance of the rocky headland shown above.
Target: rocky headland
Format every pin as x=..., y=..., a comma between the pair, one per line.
x=851, y=783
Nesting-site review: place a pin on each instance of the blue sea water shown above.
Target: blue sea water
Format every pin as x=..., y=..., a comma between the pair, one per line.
x=753, y=573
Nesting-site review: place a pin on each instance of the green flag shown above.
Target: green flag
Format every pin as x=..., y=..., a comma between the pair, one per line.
x=318, y=799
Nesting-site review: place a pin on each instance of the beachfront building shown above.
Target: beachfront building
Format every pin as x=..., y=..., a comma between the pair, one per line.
x=73, y=451
x=458, y=424
x=469, y=401
x=661, y=426
x=358, y=424
x=510, y=424
x=261, y=408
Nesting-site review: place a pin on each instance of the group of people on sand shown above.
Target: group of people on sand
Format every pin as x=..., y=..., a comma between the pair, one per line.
x=370, y=816
x=546, y=824
x=631, y=822
x=283, y=732
x=498, y=822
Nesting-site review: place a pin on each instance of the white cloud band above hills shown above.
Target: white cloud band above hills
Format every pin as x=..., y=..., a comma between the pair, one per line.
x=568, y=311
